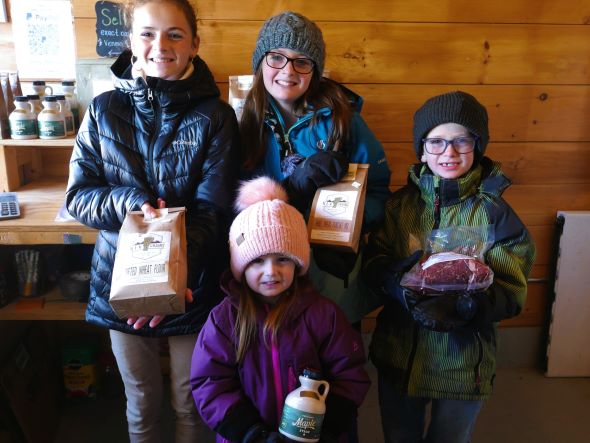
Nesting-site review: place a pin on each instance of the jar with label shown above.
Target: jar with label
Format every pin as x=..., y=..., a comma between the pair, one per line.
x=23, y=121
x=51, y=122
x=303, y=413
x=41, y=88
x=36, y=102
x=68, y=87
x=68, y=116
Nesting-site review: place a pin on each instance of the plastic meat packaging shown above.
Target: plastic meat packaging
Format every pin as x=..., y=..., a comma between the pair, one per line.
x=454, y=262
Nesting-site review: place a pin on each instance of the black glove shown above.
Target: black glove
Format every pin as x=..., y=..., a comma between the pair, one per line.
x=276, y=437
x=258, y=433
x=320, y=169
x=339, y=264
x=439, y=313
x=391, y=277
x=475, y=307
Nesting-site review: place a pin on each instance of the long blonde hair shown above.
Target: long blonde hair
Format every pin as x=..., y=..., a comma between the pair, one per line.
x=322, y=92
x=246, y=327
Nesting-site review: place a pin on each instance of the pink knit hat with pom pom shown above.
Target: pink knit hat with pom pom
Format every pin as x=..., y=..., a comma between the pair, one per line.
x=267, y=224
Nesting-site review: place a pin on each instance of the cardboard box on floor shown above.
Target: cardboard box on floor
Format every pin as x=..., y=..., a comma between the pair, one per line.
x=336, y=215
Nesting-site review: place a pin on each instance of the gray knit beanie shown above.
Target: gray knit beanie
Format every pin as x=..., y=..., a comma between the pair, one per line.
x=292, y=31
x=453, y=107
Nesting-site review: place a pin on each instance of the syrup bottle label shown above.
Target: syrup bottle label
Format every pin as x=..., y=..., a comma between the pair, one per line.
x=301, y=424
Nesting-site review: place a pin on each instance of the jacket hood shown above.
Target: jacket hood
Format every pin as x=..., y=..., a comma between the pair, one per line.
x=198, y=86
x=486, y=178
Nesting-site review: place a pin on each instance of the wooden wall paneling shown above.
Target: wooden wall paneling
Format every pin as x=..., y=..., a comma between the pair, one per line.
x=515, y=11
x=7, y=55
x=516, y=112
x=451, y=53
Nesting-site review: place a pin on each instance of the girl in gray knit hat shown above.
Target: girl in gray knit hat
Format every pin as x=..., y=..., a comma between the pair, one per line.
x=303, y=129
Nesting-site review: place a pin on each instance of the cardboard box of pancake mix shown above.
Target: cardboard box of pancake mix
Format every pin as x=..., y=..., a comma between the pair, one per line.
x=336, y=215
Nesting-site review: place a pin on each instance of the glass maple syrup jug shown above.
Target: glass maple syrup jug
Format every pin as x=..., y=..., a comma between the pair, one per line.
x=305, y=407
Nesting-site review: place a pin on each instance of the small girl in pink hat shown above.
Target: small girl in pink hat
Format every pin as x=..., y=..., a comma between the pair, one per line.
x=271, y=326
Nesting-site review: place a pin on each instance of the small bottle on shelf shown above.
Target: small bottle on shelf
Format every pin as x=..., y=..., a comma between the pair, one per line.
x=69, y=117
x=51, y=121
x=23, y=121
x=36, y=102
x=41, y=88
x=68, y=87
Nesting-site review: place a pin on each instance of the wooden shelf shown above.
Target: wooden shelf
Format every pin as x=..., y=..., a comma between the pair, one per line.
x=38, y=142
x=51, y=306
x=40, y=201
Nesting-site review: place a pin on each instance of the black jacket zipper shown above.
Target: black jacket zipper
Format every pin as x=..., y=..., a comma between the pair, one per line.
x=153, y=138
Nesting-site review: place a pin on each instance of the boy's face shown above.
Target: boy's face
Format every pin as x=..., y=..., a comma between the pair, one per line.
x=450, y=164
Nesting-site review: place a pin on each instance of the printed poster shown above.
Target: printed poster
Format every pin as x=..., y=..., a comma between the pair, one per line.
x=44, y=39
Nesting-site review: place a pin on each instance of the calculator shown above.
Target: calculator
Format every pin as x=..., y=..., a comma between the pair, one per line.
x=9, y=205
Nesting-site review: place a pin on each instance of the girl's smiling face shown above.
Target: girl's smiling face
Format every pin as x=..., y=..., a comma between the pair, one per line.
x=270, y=275
x=285, y=85
x=450, y=164
x=162, y=40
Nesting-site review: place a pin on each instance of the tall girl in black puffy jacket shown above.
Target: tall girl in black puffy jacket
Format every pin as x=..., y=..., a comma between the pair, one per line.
x=162, y=137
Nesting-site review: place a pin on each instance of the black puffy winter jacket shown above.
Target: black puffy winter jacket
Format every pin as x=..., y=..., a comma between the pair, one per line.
x=153, y=138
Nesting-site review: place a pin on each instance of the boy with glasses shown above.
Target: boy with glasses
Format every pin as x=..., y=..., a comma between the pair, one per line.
x=441, y=350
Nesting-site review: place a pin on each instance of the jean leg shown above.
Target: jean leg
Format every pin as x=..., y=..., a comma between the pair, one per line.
x=452, y=420
x=139, y=364
x=402, y=417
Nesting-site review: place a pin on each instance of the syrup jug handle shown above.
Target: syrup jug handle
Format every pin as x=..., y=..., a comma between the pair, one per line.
x=326, y=386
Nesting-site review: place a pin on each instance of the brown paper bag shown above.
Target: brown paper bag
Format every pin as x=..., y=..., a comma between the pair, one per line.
x=150, y=270
x=4, y=122
x=7, y=90
x=336, y=215
x=15, y=84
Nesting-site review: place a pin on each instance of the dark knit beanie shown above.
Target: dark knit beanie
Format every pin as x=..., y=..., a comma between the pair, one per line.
x=453, y=107
x=292, y=31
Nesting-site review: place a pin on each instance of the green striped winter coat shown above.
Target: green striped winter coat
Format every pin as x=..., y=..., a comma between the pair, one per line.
x=459, y=364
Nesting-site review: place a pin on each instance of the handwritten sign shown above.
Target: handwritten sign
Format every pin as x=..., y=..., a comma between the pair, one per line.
x=112, y=35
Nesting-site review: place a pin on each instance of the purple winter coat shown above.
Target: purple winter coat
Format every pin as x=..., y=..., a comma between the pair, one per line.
x=232, y=397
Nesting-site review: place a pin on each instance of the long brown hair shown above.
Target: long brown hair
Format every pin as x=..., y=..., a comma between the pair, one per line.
x=322, y=92
x=246, y=328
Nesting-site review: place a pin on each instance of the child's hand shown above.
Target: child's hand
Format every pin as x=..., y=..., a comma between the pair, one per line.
x=391, y=277
x=439, y=313
x=337, y=263
x=320, y=169
x=139, y=321
x=149, y=211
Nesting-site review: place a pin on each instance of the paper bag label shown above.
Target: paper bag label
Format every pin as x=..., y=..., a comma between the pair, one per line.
x=334, y=204
x=146, y=258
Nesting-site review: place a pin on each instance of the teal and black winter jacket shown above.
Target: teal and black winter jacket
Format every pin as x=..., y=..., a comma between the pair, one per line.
x=459, y=364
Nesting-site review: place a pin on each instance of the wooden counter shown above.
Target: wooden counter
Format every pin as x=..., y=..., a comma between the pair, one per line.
x=40, y=202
